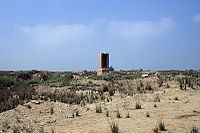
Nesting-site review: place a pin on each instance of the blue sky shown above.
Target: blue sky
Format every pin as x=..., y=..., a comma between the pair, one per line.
x=64, y=35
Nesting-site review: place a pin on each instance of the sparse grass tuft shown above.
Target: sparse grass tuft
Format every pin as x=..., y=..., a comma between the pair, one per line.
x=114, y=127
x=41, y=129
x=156, y=98
x=107, y=113
x=161, y=126
x=77, y=113
x=168, y=86
x=16, y=129
x=111, y=91
x=147, y=114
x=138, y=105
x=118, y=114
x=27, y=129
x=52, y=131
x=160, y=82
x=194, y=129
x=98, y=109
x=127, y=115
x=155, y=130
x=176, y=98
x=51, y=110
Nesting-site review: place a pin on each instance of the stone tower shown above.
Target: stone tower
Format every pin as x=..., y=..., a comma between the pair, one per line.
x=103, y=63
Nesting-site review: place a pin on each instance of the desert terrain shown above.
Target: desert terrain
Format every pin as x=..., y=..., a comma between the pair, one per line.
x=80, y=102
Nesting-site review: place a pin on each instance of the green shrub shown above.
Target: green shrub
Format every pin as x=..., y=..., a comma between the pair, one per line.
x=77, y=99
x=139, y=89
x=100, y=91
x=155, y=130
x=51, y=110
x=118, y=114
x=138, y=105
x=107, y=113
x=176, y=98
x=161, y=126
x=194, y=129
x=105, y=88
x=160, y=82
x=102, y=97
x=127, y=115
x=28, y=129
x=98, y=109
x=168, y=86
x=181, y=83
x=41, y=129
x=148, y=87
x=114, y=127
x=16, y=129
x=147, y=114
x=6, y=81
x=130, y=91
x=106, y=77
x=82, y=96
x=77, y=113
x=111, y=92
x=156, y=98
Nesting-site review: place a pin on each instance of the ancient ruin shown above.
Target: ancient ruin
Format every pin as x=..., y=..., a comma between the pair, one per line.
x=103, y=63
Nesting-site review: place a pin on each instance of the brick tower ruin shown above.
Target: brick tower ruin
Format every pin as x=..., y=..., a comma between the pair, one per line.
x=103, y=63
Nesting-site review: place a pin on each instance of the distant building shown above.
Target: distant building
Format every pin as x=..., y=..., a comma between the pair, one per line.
x=103, y=63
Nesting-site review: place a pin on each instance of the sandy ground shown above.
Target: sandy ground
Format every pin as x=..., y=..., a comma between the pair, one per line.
x=178, y=115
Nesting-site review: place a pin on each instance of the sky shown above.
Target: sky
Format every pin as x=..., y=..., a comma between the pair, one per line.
x=68, y=35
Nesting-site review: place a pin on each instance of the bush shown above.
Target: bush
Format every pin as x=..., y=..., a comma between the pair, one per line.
x=118, y=114
x=148, y=87
x=77, y=113
x=41, y=129
x=147, y=114
x=160, y=82
x=6, y=81
x=155, y=105
x=111, y=92
x=18, y=92
x=130, y=91
x=107, y=113
x=176, y=98
x=98, y=109
x=156, y=98
x=51, y=110
x=106, y=77
x=139, y=89
x=114, y=127
x=155, y=130
x=127, y=115
x=16, y=129
x=77, y=99
x=181, y=84
x=168, y=86
x=28, y=129
x=161, y=126
x=194, y=129
x=138, y=105
x=105, y=88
